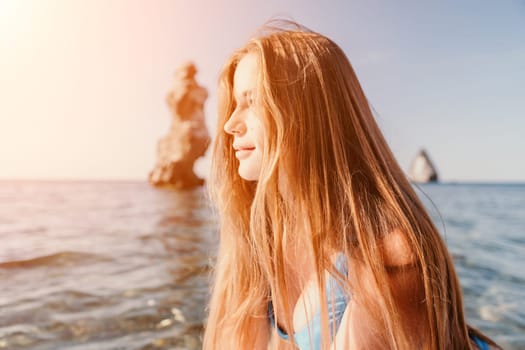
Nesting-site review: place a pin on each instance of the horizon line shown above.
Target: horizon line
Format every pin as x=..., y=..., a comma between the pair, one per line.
x=145, y=179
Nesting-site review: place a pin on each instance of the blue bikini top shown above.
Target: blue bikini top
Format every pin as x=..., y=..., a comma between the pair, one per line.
x=309, y=337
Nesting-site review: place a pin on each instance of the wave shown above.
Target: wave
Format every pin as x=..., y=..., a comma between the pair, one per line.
x=57, y=259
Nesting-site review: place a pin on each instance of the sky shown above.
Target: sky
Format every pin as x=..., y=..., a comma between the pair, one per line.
x=83, y=82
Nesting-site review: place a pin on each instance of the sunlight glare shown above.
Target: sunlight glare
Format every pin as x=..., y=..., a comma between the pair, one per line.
x=15, y=20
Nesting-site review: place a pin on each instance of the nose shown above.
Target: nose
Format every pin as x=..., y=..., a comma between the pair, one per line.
x=235, y=125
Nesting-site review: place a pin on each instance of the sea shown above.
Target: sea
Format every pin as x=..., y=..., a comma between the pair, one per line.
x=94, y=265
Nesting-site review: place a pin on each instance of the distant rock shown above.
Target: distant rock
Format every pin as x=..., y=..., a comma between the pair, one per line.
x=188, y=137
x=422, y=169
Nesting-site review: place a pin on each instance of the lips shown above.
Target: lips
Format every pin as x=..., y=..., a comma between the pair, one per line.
x=242, y=152
x=239, y=147
x=244, y=148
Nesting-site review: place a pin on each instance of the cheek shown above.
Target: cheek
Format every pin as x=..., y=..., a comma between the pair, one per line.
x=260, y=134
x=260, y=141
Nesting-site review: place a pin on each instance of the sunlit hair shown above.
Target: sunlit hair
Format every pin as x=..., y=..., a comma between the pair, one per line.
x=346, y=192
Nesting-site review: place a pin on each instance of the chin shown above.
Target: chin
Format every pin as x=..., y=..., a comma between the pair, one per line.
x=248, y=177
x=248, y=174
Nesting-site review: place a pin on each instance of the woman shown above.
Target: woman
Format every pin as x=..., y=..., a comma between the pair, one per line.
x=323, y=242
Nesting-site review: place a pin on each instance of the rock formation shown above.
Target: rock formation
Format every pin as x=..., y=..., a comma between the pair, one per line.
x=188, y=137
x=422, y=170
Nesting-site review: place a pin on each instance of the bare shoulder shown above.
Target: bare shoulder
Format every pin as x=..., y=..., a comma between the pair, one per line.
x=360, y=328
x=396, y=249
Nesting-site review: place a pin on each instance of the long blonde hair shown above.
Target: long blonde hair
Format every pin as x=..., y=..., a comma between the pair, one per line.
x=348, y=193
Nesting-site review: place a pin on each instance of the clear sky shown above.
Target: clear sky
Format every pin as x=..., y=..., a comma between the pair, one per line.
x=83, y=82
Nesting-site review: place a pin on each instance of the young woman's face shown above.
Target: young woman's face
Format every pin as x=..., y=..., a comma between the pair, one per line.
x=245, y=123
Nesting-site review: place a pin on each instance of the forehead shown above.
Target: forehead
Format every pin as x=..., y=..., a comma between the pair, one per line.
x=245, y=76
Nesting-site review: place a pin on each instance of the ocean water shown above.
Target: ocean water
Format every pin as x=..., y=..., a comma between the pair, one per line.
x=121, y=265
x=484, y=228
x=96, y=266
